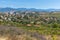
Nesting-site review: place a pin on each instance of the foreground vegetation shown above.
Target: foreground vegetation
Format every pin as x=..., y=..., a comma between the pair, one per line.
x=40, y=29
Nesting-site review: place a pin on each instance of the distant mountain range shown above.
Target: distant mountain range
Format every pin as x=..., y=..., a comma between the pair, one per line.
x=7, y=9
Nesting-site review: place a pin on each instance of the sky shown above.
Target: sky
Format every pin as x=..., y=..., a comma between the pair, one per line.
x=39, y=4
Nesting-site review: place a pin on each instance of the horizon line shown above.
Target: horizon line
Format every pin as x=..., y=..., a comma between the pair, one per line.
x=29, y=8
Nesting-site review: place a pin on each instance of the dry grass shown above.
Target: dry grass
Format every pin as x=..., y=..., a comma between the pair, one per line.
x=14, y=33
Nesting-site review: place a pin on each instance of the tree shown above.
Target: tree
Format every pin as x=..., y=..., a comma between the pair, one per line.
x=54, y=25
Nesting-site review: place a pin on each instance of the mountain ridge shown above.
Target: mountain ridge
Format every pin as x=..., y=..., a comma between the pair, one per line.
x=8, y=9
